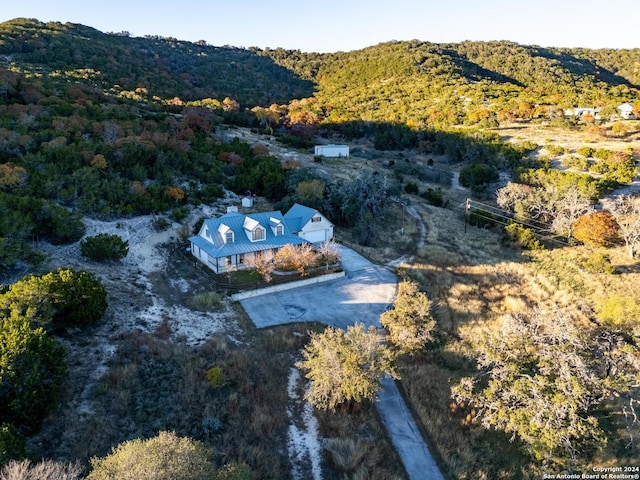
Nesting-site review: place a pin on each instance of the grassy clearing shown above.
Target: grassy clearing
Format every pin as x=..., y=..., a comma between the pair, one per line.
x=473, y=280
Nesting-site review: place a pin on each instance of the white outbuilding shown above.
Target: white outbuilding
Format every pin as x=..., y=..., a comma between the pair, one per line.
x=332, y=150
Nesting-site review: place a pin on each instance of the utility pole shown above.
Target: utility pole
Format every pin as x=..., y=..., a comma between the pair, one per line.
x=466, y=213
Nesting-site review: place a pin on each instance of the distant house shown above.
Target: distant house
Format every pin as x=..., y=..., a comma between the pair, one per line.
x=234, y=239
x=331, y=150
x=580, y=112
x=626, y=111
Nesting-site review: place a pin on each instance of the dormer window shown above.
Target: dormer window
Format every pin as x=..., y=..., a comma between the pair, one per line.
x=258, y=233
x=279, y=230
x=228, y=237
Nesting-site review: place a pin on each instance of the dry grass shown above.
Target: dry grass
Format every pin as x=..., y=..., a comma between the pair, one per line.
x=473, y=281
x=358, y=446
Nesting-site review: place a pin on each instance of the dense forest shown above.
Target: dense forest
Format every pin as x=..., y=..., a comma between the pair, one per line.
x=108, y=126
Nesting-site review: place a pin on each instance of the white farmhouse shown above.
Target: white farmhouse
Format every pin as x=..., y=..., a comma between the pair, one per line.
x=234, y=240
x=331, y=150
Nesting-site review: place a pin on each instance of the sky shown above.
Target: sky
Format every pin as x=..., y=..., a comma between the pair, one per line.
x=344, y=25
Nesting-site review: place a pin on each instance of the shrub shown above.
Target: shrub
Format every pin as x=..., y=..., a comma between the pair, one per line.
x=104, y=246
x=619, y=312
x=179, y=214
x=46, y=469
x=555, y=150
x=12, y=444
x=599, y=263
x=481, y=218
x=204, y=302
x=59, y=225
x=345, y=368
x=434, y=197
x=478, y=175
x=216, y=377
x=411, y=188
x=522, y=236
x=585, y=151
x=164, y=457
x=160, y=223
x=296, y=257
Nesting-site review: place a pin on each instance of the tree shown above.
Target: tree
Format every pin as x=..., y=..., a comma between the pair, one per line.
x=626, y=211
x=59, y=225
x=60, y=299
x=567, y=209
x=543, y=378
x=32, y=368
x=597, y=228
x=78, y=298
x=311, y=193
x=409, y=323
x=164, y=457
x=263, y=265
x=330, y=252
x=11, y=176
x=478, y=175
x=104, y=246
x=12, y=444
x=345, y=368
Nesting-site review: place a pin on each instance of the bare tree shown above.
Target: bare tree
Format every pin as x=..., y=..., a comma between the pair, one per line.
x=571, y=205
x=626, y=211
x=47, y=469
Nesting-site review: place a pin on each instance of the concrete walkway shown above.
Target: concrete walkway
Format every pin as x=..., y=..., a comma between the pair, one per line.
x=361, y=296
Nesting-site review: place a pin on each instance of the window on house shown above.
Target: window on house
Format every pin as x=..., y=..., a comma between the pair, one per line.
x=316, y=219
x=241, y=258
x=279, y=230
x=228, y=237
x=257, y=234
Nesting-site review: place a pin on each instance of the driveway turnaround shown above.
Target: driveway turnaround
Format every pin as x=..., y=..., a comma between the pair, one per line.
x=361, y=296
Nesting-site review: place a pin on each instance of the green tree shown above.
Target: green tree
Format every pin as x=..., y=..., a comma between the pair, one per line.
x=104, y=247
x=409, y=323
x=540, y=380
x=345, y=368
x=12, y=444
x=78, y=298
x=64, y=298
x=32, y=368
x=59, y=225
x=164, y=457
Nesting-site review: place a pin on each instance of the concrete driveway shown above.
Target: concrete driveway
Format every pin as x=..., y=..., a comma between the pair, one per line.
x=361, y=295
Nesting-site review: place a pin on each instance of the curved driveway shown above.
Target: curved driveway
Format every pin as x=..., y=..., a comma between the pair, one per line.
x=362, y=295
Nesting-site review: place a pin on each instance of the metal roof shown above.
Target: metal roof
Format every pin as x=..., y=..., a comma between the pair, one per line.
x=242, y=243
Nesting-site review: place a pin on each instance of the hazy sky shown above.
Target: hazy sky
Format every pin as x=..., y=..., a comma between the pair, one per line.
x=332, y=25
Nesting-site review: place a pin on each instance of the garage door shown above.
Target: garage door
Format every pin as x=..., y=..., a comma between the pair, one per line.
x=317, y=236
